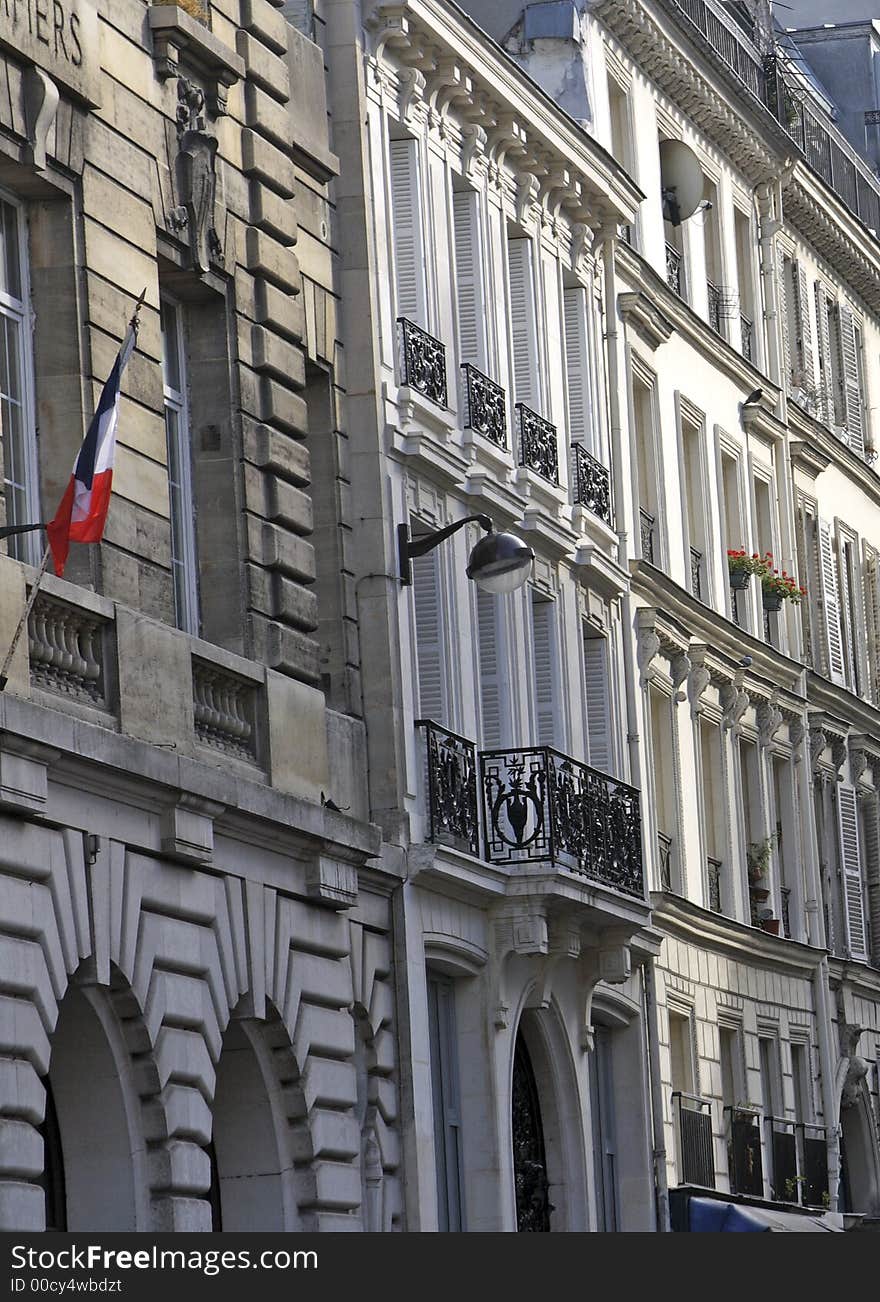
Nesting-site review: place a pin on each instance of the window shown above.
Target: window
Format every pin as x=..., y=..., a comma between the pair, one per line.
x=752, y=807
x=801, y=1080
x=469, y=289
x=184, y=565
x=733, y=523
x=17, y=422
x=577, y=366
x=768, y=1059
x=523, y=322
x=745, y=285
x=605, y=1156
x=719, y=296
x=662, y=749
x=714, y=813
x=406, y=223
x=851, y=872
x=830, y=605
x=787, y=858
x=646, y=465
x=681, y=1054
x=851, y=609
x=871, y=580
x=621, y=138
x=731, y=1066
x=430, y=648
x=447, y=1102
x=852, y=382
x=694, y=501
x=545, y=650
x=597, y=700
x=493, y=670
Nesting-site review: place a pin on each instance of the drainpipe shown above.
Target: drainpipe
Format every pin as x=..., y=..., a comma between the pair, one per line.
x=658, y=1125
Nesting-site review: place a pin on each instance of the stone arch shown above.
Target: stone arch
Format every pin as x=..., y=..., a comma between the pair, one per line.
x=367, y=1116
x=860, y=1174
x=261, y=1149
x=541, y=1032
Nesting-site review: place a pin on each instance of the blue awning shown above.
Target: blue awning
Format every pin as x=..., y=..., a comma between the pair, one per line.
x=714, y=1214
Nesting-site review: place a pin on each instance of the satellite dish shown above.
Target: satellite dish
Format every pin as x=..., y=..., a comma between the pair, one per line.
x=682, y=181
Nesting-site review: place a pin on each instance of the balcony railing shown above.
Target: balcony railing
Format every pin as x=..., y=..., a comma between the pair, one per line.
x=747, y=331
x=538, y=444
x=713, y=882
x=693, y=1119
x=744, y=1151
x=673, y=270
x=592, y=483
x=730, y=45
x=664, y=853
x=67, y=651
x=422, y=361
x=485, y=406
x=813, y=1154
x=799, y=1155
x=452, y=788
x=540, y=805
x=646, y=527
x=781, y=1142
x=697, y=573
x=714, y=306
x=785, y=895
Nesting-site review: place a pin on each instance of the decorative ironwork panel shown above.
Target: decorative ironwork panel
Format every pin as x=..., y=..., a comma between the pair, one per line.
x=533, y=1206
x=66, y=649
x=744, y=1154
x=748, y=331
x=784, y=1148
x=540, y=806
x=695, y=1139
x=664, y=853
x=646, y=525
x=422, y=361
x=714, y=306
x=815, y=1147
x=452, y=788
x=697, y=573
x=592, y=483
x=673, y=270
x=538, y=444
x=224, y=708
x=713, y=874
x=785, y=894
x=485, y=406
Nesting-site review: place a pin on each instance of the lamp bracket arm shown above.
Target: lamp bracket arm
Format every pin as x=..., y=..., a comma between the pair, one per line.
x=408, y=548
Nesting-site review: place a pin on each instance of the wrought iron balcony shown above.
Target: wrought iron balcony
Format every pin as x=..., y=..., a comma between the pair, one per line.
x=730, y=46
x=592, y=483
x=781, y=1143
x=697, y=573
x=485, y=406
x=422, y=361
x=813, y=1153
x=747, y=331
x=744, y=1162
x=538, y=444
x=713, y=881
x=664, y=853
x=542, y=806
x=646, y=524
x=674, y=278
x=785, y=894
x=452, y=788
x=798, y=1152
x=693, y=1120
x=714, y=306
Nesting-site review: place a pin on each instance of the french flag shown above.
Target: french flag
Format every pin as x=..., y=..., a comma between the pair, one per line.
x=83, y=509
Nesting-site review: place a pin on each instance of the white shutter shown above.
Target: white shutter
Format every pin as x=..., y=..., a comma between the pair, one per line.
x=469, y=278
x=596, y=695
x=805, y=571
x=544, y=647
x=854, y=410
x=574, y=304
x=429, y=637
x=782, y=265
x=826, y=376
x=872, y=620
x=851, y=872
x=846, y=611
x=406, y=212
x=830, y=604
x=804, y=325
x=522, y=321
x=871, y=842
x=492, y=679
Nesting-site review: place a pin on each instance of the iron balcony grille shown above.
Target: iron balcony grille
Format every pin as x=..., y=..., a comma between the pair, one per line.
x=592, y=483
x=693, y=1117
x=664, y=853
x=729, y=47
x=542, y=806
x=422, y=361
x=744, y=1151
x=714, y=306
x=814, y=1163
x=538, y=444
x=747, y=329
x=646, y=526
x=785, y=894
x=452, y=788
x=697, y=573
x=799, y=1153
x=673, y=270
x=713, y=875
x=782, y=1148
x=485, y=406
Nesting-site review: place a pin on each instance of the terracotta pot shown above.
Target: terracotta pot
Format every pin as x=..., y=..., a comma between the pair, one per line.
x=772, y=600
x=771, y=925
x=739, y=580
x=759, y=894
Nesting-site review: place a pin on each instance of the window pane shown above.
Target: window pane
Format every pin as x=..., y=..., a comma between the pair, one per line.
x=11, y=270
x=170, y=347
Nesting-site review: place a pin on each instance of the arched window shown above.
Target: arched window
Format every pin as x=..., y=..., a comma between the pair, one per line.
x=533, y=1205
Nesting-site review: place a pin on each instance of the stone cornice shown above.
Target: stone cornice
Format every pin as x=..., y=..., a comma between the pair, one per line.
x=816, y=211
x=679, y=918
x=649, y=323
x=818, y=448
x=839, y=704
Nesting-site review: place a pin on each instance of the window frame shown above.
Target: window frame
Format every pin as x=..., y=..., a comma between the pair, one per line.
x=24, y=547
x=187, y=604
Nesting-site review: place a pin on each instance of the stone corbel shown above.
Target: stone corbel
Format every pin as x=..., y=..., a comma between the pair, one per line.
x=699, y=677
x=581, y=246
x=680, y=666
x=40, y=107
x=389, y=26
x=508, y=136
x=796, y=733
x=563, y=942
x=648, y=644
x=734, y=703
x=474, y=141
x=770, y=720
x=557, y=186
x=520, y=929
x=818, y=742
x=332, y=881
x=179, y=41
x=852, y=1069
x=410, y=92
x=528, y=188
x=187, y=829
x=450, y=81
x=838, y=754
x=858, y=757
x=612, y=962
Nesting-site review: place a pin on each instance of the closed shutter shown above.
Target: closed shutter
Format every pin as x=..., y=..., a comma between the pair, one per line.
x=574, y=305
x=429, y=632
x=830, y=604
x=544, y=646
x=805, y=571
x=522, y=321
x=406, y=209
x=826, y=377
x=871, y=843
x=854, y=410
x=468, y=278
x=846, y=612
x=491, y=669
x=872, y=620
x=782, y=265
x=597, y=701
x=851, y=872
x=801, y=293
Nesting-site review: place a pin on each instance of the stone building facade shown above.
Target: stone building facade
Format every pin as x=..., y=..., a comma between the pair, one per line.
x=197, y=1010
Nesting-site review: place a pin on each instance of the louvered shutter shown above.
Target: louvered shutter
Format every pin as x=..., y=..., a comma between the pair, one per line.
x=830, y=604
x=871, y=843
x=782, y=264
x=543, y=642
x=522, y=322
x=850, y=343
x=597, y=701
x=409, y=258
x=847, y=614
x=429, y=637
x=491, y=670
x=851, y=872
x=574, y=305
x=826, y=376
x=804, y=326
x=872, y=619
x=468, y=278
x=805, y=571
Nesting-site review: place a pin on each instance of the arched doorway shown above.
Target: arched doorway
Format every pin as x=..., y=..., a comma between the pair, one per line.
x=531, y=1180
x=94, y=1169
x=858, y=1190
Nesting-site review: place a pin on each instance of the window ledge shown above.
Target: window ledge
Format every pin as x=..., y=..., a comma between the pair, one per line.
x=179, y=40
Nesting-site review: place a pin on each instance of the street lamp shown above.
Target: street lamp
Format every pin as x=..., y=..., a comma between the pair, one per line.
x=500, y=562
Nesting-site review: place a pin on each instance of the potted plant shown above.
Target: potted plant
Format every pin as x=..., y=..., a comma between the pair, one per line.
x=740, y=567
x=758, y=858
x=776, y=587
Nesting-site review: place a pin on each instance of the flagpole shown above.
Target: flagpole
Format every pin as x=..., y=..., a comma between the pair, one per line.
x=4, y=672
